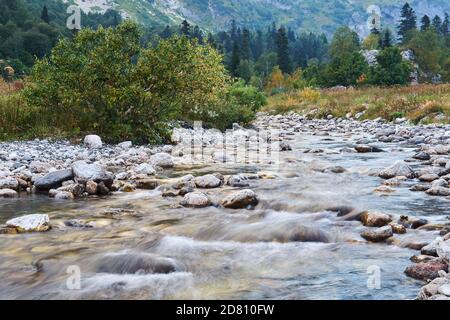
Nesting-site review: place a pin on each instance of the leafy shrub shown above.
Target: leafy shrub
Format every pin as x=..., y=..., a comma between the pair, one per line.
x=103, y=81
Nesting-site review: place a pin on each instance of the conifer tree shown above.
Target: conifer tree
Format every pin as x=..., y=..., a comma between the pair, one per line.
x=425, y=23
x=235, y=60
x=44, y=15
x=283, y=50
x=246, y=51
x=437, y=23
x=408, y=22
x=185, y=29
x=445, y=29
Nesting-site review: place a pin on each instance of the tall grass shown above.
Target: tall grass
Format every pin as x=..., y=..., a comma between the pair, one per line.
x=422, y=103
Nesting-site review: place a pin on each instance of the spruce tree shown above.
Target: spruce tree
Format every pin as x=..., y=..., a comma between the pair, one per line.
x=235, y=60
x=44, y=15
x=445, y=29
x=198, y=34
x=386, y=39
x=284, y=60
x=408, y=22
x=167, y=33
x=185, y=29
x=211, y=41
x=437, y=24
x=425, y=23
x=246, y=51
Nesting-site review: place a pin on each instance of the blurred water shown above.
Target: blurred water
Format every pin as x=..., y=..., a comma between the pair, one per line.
x=289, y=247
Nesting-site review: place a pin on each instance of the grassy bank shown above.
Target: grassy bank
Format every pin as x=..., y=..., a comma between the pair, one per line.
x=421, y=104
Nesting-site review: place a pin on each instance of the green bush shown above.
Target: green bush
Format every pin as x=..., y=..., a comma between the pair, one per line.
x=104, y=82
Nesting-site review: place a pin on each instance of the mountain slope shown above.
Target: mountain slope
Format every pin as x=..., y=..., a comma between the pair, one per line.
x=312, y=15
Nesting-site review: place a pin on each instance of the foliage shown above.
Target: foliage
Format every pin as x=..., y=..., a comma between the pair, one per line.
x=103, y=81
x=391, y=68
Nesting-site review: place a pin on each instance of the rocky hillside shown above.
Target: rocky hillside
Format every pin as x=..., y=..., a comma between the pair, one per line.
x=313, y=15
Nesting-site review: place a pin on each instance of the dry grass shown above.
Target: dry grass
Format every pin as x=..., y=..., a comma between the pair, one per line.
x=422, y=103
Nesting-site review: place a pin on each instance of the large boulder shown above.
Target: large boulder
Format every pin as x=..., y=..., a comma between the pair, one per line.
x=241, y=199
x=9, y=183
x=93, y=141
x=53, y=180
x=135, y=263
x=8, y=193
x=196, y=200
x=427, y=270
x=207, y=182
x=375, y=219
x=163, y=160
x=83, y=172
x=400, y=168
x=377, y=235
x=30, y=223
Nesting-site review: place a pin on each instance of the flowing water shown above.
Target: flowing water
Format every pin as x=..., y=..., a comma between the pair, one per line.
x=289, y=247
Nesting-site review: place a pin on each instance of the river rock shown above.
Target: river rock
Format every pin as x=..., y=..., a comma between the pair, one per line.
x=54, y=179
x=64, y=195
x=196, y=200
x=8, y=193
x=377, y=235
x=84, y=172
x=284, y=146
x=426, y=270
x=237, y=181
x=93, y=141
x=367, y=149
x=420, y=187
x=412, y=222
x=208, y=181
x=145, y=168
x=91, y=187
x=30, y=223
x=398, y=228
x=162, y=160
x=147, y=184
x=9, y=183
x=398, y=169
x=422, y=156
x=428, y=177
x=375, y=219
x=240, y=200
x=438, y=191
x=102, y=189
x=135, y=263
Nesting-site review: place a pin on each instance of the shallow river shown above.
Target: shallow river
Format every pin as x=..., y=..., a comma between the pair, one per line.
x=223, y=254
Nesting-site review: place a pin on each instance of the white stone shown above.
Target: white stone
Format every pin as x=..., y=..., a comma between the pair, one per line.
x=93, y=141
x=29, y=223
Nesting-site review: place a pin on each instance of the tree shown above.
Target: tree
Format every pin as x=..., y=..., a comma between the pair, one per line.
x=446, y=25
x=275, y=80
x=344, y=41
x=246, y=50
x=284, y=60
x=386, y=40
x=425, y=23
x=408, y=22
x=167, y=33
x=198, y=34
x=235, y=60
x=391, y=69
x=104, y=81
x=428, y=49
x=185, y=29
x=372, y=42
x=437, y=24
x=44, y=15
x=245, y=70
